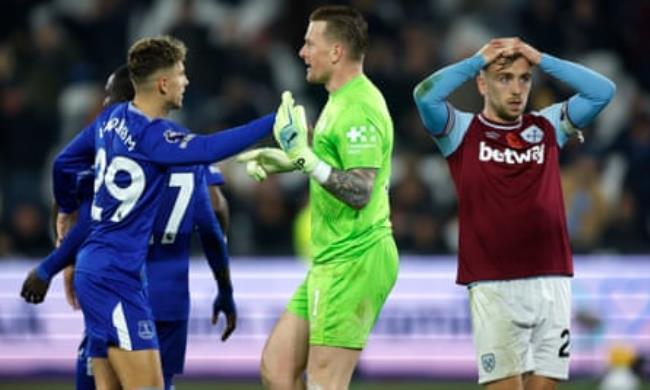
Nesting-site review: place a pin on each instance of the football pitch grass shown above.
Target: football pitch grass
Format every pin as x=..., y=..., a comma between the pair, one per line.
x=58, y=384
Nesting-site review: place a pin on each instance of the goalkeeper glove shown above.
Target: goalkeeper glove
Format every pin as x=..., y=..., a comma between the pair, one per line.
x=265, y=161
x=290, y=132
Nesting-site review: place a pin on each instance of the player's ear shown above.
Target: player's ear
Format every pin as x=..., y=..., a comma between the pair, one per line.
x=161, y=85
x=337, y=52
x=480, y=83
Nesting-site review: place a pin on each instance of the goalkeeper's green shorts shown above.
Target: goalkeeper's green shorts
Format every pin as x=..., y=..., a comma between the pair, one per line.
x=342, y=300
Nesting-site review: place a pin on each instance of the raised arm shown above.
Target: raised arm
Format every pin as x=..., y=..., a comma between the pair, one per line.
x=594, y=91
x=431, y=93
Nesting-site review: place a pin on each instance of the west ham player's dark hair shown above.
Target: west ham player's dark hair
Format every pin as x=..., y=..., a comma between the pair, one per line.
x=119, y=87
x=148, y=55
x=344, y=24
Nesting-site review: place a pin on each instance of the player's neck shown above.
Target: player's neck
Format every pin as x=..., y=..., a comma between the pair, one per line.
x=152, y=108
x=342, y=75
x=492, y=116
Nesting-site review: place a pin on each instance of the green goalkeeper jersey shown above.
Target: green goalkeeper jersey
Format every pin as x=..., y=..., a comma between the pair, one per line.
x=354, y=130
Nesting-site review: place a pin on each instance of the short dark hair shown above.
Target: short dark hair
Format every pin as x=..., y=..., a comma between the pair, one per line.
x=345, y=24
x=120, y=89
x=148, y=55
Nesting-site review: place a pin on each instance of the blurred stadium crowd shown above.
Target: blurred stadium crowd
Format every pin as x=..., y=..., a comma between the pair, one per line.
x=55, y=56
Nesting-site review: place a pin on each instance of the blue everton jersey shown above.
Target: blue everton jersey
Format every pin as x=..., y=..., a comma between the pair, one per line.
x=184, y=206
x=131, y=154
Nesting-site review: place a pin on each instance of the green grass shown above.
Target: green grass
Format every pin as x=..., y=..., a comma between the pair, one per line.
x=250, y=385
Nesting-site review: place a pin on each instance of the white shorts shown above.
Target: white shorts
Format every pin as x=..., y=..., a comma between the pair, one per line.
x=521, y=326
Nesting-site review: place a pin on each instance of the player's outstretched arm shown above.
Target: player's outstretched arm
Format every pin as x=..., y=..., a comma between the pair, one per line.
x=216, y=252
x=176, y=146
x=595, y=91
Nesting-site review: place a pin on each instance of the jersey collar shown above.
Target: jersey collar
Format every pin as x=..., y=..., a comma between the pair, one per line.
x=499, y=126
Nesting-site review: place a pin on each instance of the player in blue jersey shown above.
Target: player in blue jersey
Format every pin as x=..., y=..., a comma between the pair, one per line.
x=167, y=263
x=132, y=146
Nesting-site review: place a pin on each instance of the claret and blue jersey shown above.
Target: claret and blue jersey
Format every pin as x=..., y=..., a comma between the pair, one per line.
x=511, y=214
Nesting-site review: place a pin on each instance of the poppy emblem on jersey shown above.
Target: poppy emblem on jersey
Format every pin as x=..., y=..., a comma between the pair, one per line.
x=488, y=361
x=146, y=329
x=514, y=141
x=532, y=135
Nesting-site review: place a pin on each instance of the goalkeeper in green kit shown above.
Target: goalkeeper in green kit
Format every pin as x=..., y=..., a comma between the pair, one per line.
x=355, y=261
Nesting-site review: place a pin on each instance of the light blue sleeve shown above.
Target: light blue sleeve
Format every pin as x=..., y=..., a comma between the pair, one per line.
x=430, y=94
x=455, y=131
x=595, y=91
x=564, y=129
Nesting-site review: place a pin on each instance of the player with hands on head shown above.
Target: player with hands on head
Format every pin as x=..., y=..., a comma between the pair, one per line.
x=514, y=253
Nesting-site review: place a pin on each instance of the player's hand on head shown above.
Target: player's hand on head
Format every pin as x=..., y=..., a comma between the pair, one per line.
x=68, y=287
x=491, y=51
x=34, y=288
x=533, y=55
x=225, y=303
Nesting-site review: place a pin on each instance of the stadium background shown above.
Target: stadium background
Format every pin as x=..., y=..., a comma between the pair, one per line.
x=55, y=56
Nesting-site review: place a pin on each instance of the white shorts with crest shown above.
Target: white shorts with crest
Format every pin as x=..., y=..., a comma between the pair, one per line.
x=521, y=326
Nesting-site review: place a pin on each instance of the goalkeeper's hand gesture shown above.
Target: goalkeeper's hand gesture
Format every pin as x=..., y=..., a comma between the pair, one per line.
x=262, y=162
x=290, y=132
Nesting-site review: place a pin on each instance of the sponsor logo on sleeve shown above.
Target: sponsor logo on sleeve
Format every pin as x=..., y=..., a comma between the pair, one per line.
x=178, y=137
x=360, y=135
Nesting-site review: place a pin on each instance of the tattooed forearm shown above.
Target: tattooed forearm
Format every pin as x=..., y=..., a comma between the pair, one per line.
x=352, y=187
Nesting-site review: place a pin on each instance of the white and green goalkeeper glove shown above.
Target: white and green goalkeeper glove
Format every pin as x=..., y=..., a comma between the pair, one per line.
x=290, y=132
x=265, y=161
